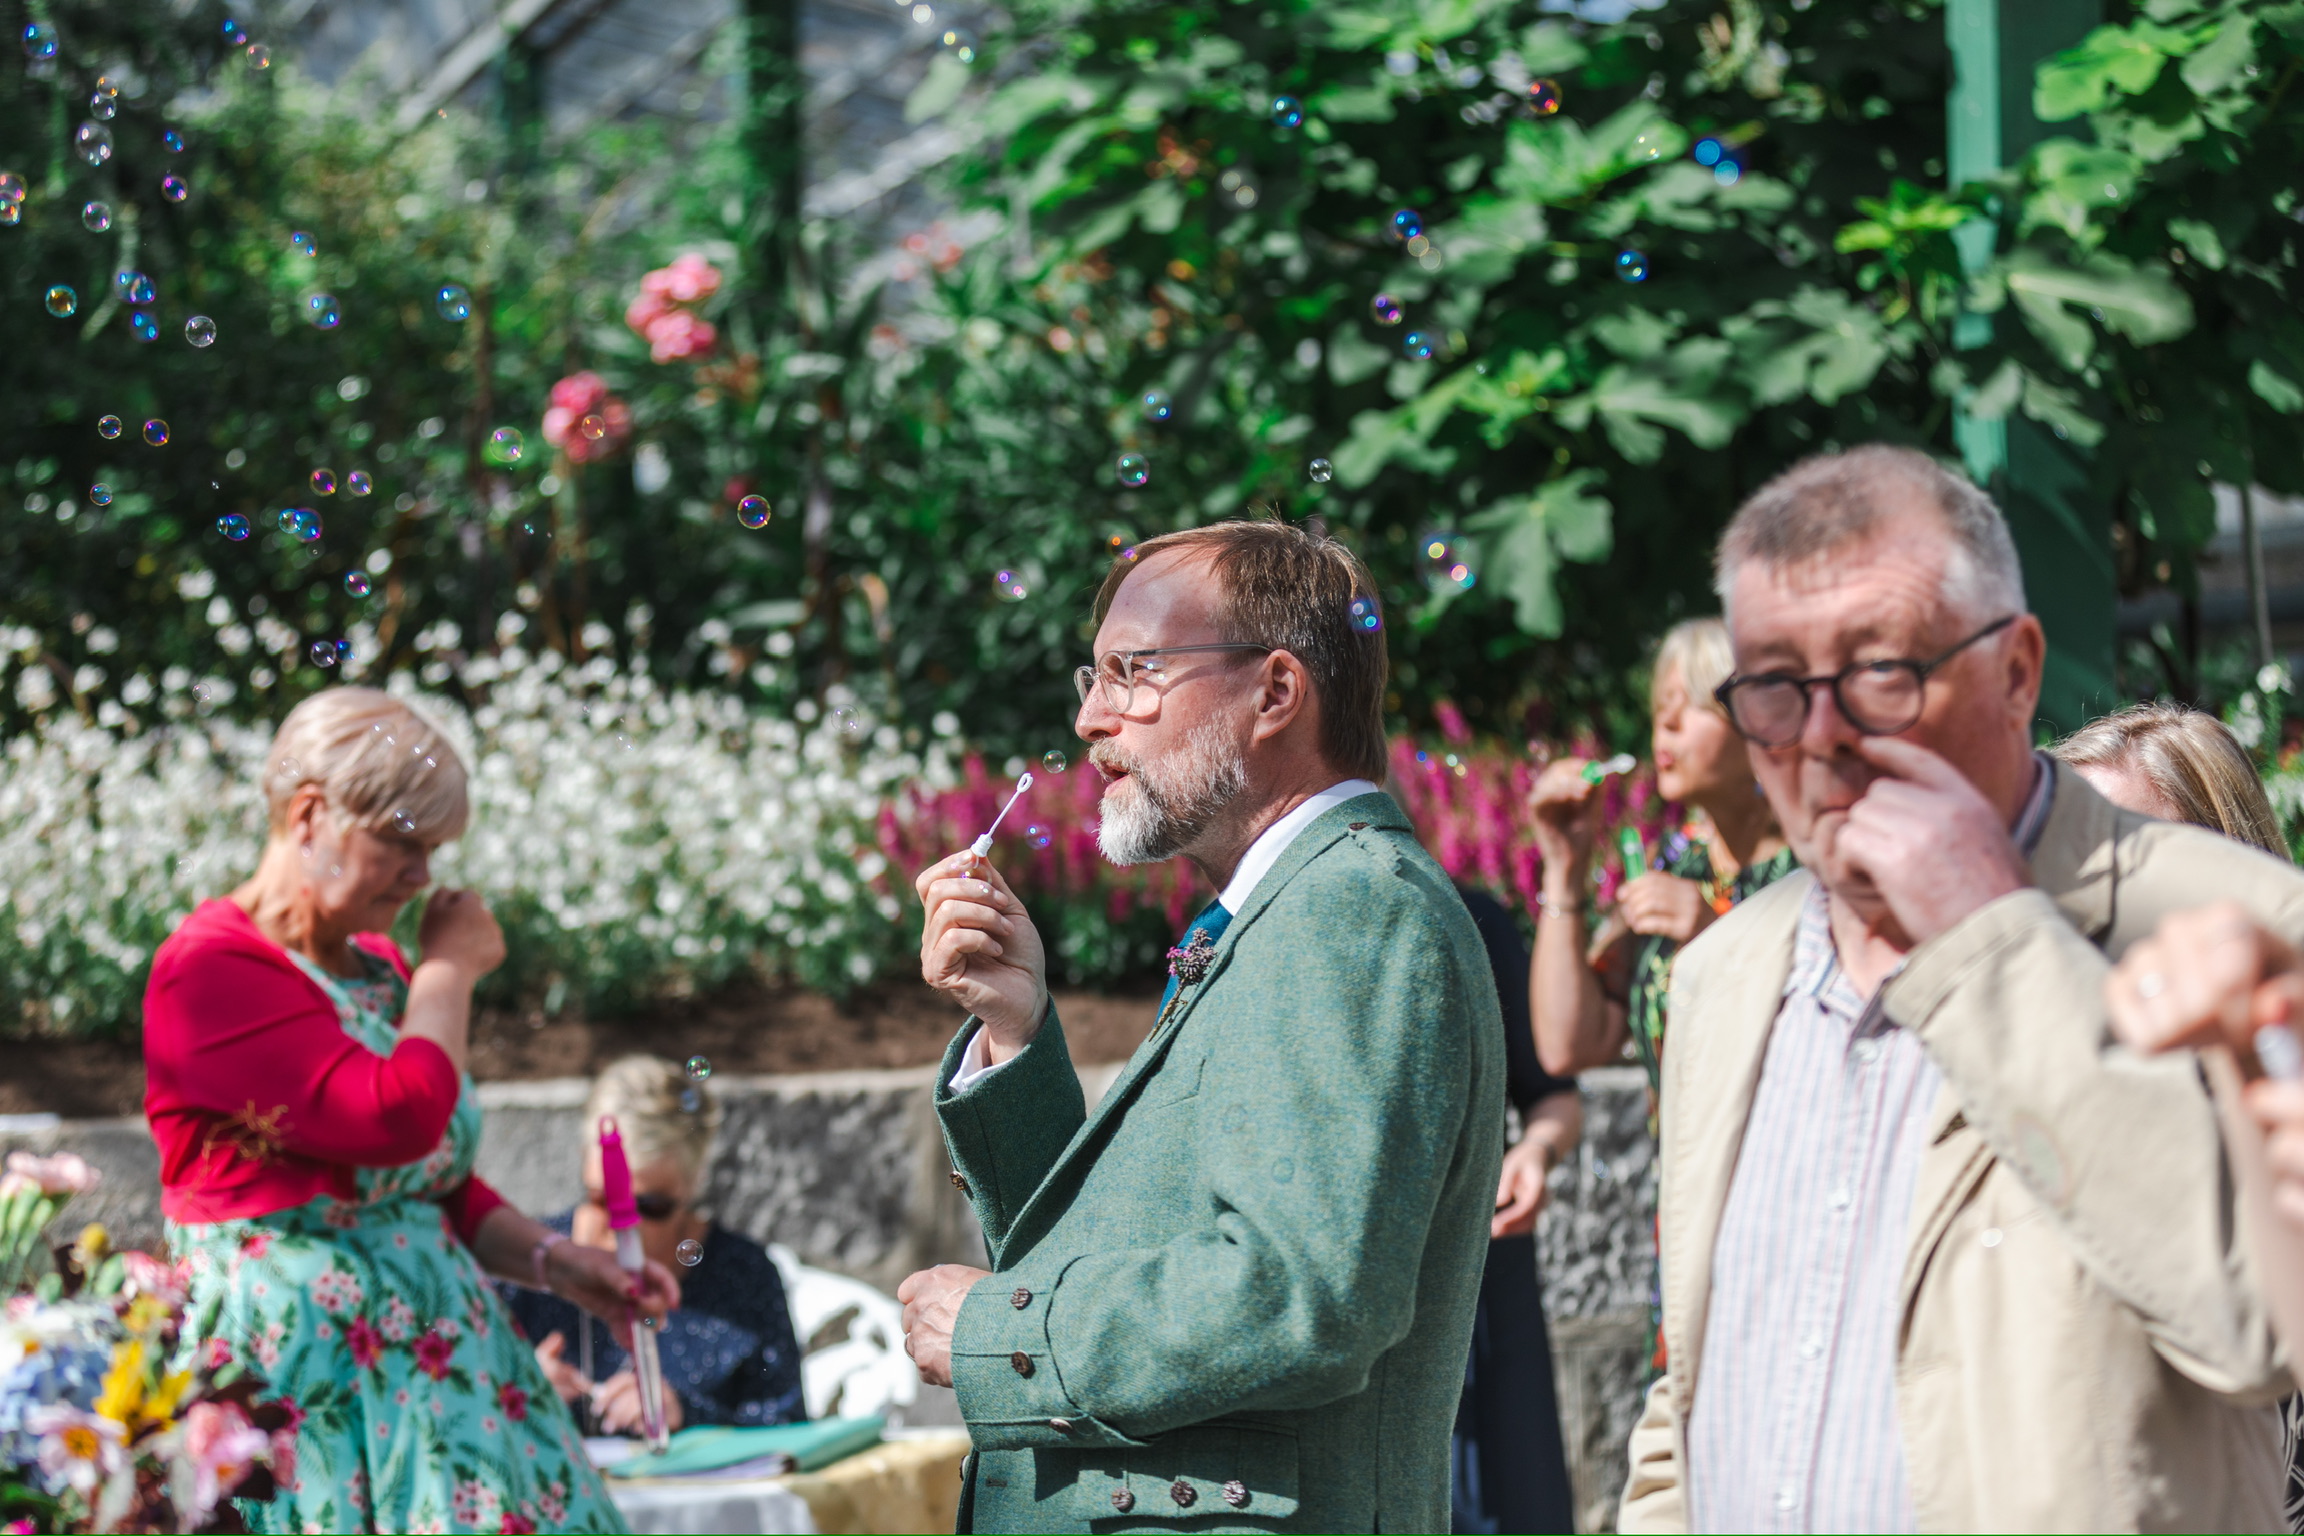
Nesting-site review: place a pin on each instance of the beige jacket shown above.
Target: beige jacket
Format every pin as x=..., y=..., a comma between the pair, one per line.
x=2106, y=1364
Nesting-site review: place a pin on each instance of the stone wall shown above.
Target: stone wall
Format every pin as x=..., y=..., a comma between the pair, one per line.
x=847, y=1170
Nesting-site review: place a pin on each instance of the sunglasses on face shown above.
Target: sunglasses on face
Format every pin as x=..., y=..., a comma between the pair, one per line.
x=650, y=1207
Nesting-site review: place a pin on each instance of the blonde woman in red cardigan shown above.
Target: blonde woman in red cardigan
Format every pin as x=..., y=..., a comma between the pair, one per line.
x=316, y=1130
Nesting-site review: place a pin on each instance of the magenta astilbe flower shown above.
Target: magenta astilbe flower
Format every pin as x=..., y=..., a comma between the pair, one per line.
x=663, y=311
x=584, y=420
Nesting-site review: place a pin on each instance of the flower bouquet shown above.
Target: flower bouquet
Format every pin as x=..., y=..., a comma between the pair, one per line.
x=111, y=1418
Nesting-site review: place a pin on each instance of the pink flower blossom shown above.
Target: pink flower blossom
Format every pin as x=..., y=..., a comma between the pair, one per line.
x=77, y=1448
x=677, y=336
x=363, y=1341
x=585, y=421
x=62, y=1173
x=256, y=1244
x=223, y=1446
x=433, y=1352
x=513, y=1401
x=515, y=1521
x=689, y=280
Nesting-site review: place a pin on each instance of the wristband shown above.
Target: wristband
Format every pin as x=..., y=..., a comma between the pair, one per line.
x=536, y=1256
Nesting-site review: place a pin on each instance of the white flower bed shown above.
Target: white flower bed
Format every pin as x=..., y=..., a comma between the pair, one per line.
x=635, y=841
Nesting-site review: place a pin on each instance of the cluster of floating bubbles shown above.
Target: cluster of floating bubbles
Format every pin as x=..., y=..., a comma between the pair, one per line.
x=233, y=526
x=1054, y=761
x=200, y=330
x=753, y=511
x=156, y=432
x=300, y=523
x=1631, y=266
x=1009, y=586
x=356, y=584
x=1365, y=615
x=1156, y=405
x=1287, y=112
x=453, y=301
x=505, y=446
x=1321, y=471
x=323, y=311
x=62, y=302
x=1385, y=310
x=1132, y=469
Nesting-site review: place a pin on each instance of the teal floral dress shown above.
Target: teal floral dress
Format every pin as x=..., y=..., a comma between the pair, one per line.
x=421, y=1407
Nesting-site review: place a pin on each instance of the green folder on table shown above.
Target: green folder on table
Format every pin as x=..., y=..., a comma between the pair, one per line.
x=720, y=1448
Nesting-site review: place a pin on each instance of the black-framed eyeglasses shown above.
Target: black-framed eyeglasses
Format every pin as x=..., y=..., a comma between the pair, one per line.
x=1879, y=698
x=1120, y=674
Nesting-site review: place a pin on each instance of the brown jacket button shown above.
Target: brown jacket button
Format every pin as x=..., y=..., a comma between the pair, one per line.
x=958, y=1182
x=1022, y=1362
x=1020, y=1298
x=1123, y=1500
x=1355, y=826
x=1183, y=1493
x=1061, y=1426
x=1236, y=1494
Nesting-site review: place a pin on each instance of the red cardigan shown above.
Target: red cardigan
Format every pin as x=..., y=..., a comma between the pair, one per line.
x=258, y=1099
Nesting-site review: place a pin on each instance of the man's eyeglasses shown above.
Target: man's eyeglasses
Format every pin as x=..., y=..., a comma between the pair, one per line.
x=1122, y=674
x=1879, y=698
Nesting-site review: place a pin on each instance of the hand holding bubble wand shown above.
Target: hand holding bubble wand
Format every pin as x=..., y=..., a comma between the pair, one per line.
x=624, y=1221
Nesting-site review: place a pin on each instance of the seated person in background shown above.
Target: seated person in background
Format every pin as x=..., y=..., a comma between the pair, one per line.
x=729, y=1354
x=2176, y=764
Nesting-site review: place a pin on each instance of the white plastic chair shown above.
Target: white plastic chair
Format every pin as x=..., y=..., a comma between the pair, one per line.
x=868, y=1371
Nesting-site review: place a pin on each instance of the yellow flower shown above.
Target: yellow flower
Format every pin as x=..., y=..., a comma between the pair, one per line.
x=146, y=1314
x=160, y=1406
x=94, y=1243
x=123, y=1392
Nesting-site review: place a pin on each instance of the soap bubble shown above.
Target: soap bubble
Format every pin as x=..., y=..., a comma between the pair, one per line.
x=1038, y=836
x=96, y=217
x=135, y=287
x=505, y=446
x=1132, y=469
x=301, y=523
x=259, y=57
x=39, y=42
x=453, y=301
x=1365, y=616
x=108, y=427
x=175, y=188
x=100, y=494
x=1632, y=266
x=174, y=141
x=690, y=1252
x=156, y=432
x=403, y=821
x=1648, y=143
x=323, y=482
x=1419, y=345
x=1407, y=224
x=94, y=141
x=233, y=526
x=1287, y=112
x=323, y=654
x=1544, y=97
x=200, y=330
x=1157, y=406
x=1727, y=173
x=302, y=243
x=11, y=215
x=1385, y=309
x=356, y=583
x=1008, y=586
x=1322, y=471
x=1054, y=761
x=592, y=429
x=62, y=301
x=145, y=327
x=1708, y=151
x=104, y=101
x=323, y=311
x=699, y=1068
x=753, y=511
x=358, y=483
x=11, y=187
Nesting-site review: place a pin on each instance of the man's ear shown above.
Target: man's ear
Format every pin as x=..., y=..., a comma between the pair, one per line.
x=2027, y=663
x=1283, y=693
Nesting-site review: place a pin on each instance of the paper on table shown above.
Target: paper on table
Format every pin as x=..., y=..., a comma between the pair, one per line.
x=718, y=1451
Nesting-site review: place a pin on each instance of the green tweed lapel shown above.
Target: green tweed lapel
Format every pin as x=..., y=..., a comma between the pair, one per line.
x=1327, y=829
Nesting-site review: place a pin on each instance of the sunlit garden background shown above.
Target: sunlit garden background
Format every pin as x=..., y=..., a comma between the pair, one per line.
x=732, y=475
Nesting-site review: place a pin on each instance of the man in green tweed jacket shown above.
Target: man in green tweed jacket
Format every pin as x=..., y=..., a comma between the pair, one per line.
x=1238, y=1295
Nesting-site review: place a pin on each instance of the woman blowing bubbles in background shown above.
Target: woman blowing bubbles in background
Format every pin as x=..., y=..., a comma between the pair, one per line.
x=316, y=1130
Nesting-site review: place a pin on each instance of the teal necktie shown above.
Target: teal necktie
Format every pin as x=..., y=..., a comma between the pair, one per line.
x=1188, y=960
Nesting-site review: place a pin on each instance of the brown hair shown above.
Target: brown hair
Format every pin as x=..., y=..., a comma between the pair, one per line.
x=1292, y=589
x=2191, y=759
x=1822, y=505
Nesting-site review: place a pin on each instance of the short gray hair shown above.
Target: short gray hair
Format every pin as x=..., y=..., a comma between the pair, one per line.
x=660, y=1112
x=1825, y=504
x=376, y=758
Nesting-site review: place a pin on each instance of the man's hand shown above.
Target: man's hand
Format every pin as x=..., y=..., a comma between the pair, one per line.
x=617, y=1402
x=1665, y=904
x=1933, y=847
x=932, y=1301
x=2210, y=976
x=1520, y=1189
x=979, y=949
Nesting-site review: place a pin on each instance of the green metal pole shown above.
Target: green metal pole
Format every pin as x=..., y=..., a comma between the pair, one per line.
x=2063, y=530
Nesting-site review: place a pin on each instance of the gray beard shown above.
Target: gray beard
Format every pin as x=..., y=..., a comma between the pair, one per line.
x=1156, y=814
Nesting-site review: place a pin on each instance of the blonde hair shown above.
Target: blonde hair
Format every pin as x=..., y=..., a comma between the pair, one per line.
x=1700, y=649
x=379, y=763
x=2190, y=760
x=659, y=1112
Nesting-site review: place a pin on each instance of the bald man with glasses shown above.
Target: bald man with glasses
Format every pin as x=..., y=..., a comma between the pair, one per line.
x=1936, y=1253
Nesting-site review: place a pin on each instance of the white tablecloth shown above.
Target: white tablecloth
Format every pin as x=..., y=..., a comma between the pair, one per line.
x=762, y=1504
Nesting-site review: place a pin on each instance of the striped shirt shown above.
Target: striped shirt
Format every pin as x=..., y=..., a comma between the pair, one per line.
x=1794, y=1426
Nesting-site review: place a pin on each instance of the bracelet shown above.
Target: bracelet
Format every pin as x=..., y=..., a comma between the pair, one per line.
x=536, y=1256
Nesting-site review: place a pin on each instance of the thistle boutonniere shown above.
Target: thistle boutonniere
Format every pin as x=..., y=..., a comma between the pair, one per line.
x=1189, y=961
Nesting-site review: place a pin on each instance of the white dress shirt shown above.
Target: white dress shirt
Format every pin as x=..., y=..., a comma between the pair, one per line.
x=1254, y=865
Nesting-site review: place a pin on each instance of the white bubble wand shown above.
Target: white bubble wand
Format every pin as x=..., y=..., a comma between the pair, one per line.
x=983, y=845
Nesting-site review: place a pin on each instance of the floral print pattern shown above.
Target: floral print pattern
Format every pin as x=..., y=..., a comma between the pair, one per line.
x=421, y=1408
